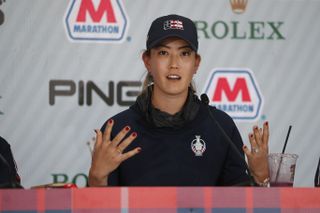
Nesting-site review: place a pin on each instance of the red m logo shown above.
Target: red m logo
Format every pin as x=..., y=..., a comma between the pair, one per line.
x=240, y=86
x=105, y=7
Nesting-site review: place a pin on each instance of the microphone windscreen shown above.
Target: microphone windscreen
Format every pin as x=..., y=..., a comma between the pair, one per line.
x=204, y=98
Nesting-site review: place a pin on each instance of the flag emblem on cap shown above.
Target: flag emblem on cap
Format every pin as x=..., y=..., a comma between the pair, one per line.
x=173, y=24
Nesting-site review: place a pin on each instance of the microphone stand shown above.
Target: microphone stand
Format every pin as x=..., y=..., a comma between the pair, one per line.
x=204, y=99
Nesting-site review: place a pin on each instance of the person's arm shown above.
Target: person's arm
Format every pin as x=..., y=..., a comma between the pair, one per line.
x=8, y=164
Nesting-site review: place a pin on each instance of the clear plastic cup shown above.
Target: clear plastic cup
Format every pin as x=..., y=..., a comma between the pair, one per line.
x=282, y=169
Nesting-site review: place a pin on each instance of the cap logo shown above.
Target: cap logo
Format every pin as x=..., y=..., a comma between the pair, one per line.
x=173, y=25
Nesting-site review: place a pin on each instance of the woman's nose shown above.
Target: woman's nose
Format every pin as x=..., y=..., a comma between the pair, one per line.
x=174, y=62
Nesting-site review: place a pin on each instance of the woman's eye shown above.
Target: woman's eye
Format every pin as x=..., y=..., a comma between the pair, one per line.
x=186, y=53
x=162, y=52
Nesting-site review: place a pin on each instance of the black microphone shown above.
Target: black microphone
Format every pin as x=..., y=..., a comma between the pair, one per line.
x=12, y=182
x=204, y=99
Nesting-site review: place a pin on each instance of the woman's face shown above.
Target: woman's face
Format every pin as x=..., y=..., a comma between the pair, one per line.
x=172, y=65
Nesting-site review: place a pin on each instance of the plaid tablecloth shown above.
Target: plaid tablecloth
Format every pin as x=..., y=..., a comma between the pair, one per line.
x=162, y=199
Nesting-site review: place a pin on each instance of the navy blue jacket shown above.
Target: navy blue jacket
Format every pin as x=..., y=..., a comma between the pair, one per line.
x=167, y=157
x=8, y=171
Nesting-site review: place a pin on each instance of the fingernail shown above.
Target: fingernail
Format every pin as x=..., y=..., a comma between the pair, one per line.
x=251, y=135
x=95, y=130
x=127, y=128
x=110, y=121
x=255, y=127
x=134, y=134
x=139, y=149
x=267, y=123
x=245, y=147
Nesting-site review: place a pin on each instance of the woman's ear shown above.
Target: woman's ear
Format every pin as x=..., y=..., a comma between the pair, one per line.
x=146, y=60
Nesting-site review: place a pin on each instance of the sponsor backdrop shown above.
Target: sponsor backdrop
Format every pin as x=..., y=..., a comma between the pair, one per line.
x=66, y=66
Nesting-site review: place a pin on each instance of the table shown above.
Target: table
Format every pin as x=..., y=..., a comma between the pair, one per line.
x=161, y=199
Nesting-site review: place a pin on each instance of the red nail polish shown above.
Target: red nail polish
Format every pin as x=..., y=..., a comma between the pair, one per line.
x=134, y=134
x=110, y=121
x=267, y=123
x=127, y=128
x=245, y=146
x=251, y=135
x=139, y=149
x=95, y=130
x=256, y=128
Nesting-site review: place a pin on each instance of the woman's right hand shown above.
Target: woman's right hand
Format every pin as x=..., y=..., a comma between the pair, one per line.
x=108, y=155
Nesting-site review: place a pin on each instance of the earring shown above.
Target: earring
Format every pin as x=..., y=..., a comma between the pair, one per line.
x=150, y=84
x=150, y=80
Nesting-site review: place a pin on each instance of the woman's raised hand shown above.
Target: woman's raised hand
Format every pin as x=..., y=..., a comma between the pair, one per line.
x=108, y=154
x=258, y=154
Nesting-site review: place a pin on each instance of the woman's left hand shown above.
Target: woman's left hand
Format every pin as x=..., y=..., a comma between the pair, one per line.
x=258, y=154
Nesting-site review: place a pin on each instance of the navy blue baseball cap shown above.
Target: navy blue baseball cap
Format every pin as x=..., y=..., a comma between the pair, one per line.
x=172, y=26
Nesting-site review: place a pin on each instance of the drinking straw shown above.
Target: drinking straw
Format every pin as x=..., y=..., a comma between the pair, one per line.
x=285, y=143
x=283, y=150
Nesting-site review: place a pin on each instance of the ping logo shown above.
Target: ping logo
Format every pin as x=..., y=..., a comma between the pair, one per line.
x=96, y=21
x=236, y=92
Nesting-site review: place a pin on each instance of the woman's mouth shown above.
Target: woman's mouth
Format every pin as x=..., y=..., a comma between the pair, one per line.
x=173, y=77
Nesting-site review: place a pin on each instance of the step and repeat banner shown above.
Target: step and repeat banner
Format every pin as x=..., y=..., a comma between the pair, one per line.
x=66, y=66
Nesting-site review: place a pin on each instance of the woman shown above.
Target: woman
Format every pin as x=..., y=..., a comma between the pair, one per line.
x=167, y=138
